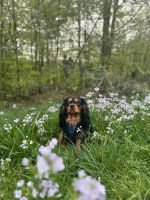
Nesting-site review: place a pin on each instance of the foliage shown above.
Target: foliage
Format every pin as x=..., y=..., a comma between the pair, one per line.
x=61, y=45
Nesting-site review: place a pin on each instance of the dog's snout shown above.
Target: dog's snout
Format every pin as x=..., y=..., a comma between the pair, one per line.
x=72, y=105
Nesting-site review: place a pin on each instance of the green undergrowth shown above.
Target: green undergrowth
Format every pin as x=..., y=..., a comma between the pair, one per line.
x=120, y=160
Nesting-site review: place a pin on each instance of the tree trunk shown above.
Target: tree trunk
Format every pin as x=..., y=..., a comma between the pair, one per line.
x=15, y=44
x=79, y=31
x=108, y=38
x=105, y=49
x=115, y=9
x=79, y=41
x=2, y=84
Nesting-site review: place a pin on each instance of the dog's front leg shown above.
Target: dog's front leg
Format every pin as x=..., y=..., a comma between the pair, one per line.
x=78, y=143
x=61, y=139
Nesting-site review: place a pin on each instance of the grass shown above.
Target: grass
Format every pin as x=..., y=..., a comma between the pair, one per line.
x=121, y=159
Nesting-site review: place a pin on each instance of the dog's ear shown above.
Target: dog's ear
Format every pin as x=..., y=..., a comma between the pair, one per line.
x=62, y=114
x=85, y=118
x=84, y=105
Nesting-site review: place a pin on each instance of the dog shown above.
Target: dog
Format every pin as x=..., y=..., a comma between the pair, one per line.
x=74, y=121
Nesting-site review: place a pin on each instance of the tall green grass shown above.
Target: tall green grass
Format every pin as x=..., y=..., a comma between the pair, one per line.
x=121, y=160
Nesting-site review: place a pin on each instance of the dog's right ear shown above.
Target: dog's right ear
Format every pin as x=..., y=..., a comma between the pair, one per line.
x=62, y=114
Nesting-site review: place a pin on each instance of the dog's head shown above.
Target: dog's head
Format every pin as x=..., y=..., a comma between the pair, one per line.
x=73, y=106
x=75, y=110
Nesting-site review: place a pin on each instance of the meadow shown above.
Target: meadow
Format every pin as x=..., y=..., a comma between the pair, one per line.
x=113, y=165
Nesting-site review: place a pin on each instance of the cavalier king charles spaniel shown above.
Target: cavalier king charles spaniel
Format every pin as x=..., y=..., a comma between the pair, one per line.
x=74, y=121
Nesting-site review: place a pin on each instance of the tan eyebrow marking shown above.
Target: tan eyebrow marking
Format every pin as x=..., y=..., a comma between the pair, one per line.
x=70, y=99
x=75, y=100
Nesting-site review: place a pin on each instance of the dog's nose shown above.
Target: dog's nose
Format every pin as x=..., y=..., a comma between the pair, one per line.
x=72, y=105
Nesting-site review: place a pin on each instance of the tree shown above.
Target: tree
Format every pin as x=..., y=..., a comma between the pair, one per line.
x=15, y=44
x=108, y=29
x=2, y=85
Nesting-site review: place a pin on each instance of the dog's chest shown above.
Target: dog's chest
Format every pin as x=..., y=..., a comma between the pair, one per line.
x=73, y=120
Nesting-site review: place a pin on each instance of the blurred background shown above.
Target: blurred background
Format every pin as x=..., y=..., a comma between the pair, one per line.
x=53, y=48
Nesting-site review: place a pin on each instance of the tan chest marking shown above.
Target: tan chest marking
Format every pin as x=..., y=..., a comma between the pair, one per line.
x=73, y=119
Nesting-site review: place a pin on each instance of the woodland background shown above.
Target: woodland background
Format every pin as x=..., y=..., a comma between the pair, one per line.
x=56, y=47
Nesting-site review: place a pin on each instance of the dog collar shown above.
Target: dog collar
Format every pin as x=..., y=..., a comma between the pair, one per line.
x=71, y=128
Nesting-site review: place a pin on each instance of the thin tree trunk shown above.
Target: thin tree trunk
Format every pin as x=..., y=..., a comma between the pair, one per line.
x=79, y=31
x=2, y=84
x=105, y=50
x=39, y=77
x=15, y=44
x=47, y=51
x=115, y=9
x=58, y=30
x=79, y=42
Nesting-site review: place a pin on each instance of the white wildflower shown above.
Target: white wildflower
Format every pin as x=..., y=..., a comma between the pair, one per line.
x=25, y=162
x=20, y=183
x=18, y=194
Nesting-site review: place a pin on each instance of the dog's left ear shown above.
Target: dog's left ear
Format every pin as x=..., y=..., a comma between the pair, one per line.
x=85, y=109
x=85, y=117
x=62, y=114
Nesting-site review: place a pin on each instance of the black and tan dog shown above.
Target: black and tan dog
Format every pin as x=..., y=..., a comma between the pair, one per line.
x=74, y=121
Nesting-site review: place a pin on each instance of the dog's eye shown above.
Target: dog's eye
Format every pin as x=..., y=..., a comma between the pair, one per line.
x=67, y=104
x=78, y=104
